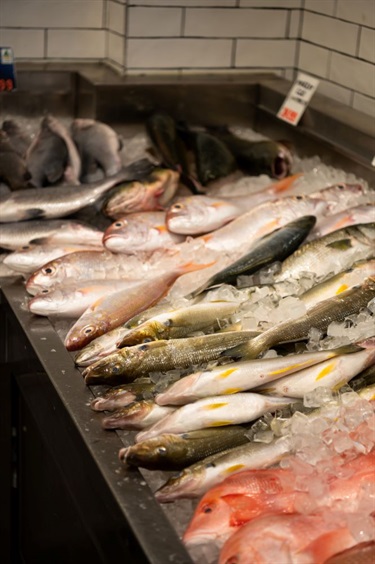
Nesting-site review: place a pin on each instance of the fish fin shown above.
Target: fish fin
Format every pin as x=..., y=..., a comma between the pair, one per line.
x=243, y=508
x=285, y=183
x=251, y=349
x=33, y=213
x=40, y=240
x=341, y=245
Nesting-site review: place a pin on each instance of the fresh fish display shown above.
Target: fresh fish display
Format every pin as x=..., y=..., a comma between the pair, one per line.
x=332, y=373
x=59, y=231
x=150, y=194
x=345, y=218
x=216, y=411
x=129, y=362
x=120, y=306
x=207, y=317
x=338, y=283
x=121, y=396
x=331, y=253
x=54, y=202
x=140, y=232
x=246, y=375
x=83, y=265
x=100, y=347
x=177, y=450
x=31, y=257
x=97, y=144
x=48, y=156
x=137, y=415
x=198, y=214
x=19, y=140
x=13, y=170
x=276, y=246
x=72, y=298
x=196, y=479
x=319, y=316
x=258, y=157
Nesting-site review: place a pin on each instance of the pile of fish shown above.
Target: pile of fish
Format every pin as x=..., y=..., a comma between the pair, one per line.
x=234, y=326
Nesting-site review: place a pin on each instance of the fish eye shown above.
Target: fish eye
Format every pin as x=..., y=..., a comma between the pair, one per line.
x=25, y=247
x=341, y=186
x=207, y=508
x=299, y=197
x=118, y=224
x=162, y=450
x=44, y=291
x=116, y=368
x=143, y=347
x=88, y=330
x=178, y=207
x=48, y=270
x=146, y=340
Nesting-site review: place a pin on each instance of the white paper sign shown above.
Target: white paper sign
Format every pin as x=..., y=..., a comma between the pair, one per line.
x=298, y=98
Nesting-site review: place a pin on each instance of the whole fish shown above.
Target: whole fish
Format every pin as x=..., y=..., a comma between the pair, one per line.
x=137, y=415
x=13, y=170
x=288, y=536
x=72, y=298
x=162, y=130
x=339, y=283
x=59, y=231
x=359, y=214
x=268, y=216
x=215, y=411
x=196, y=479
x=258, y=157
x=319, y=316
x=332, y=373
x=129, y=362
x=150, y=194
x=331, y=253
x=198, y=214
x=100, y=347
x=54, y=202
x=120, y=306
x=85, y=265
x=244, y=375
x=17, y=137
x=143, y=231
x=97, y=143
x=31, y=257
x=276, y=246
x=207, y=317
x=178, y=450
x=121, y=396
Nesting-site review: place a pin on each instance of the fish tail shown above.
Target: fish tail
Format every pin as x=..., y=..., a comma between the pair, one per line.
x=249, y=350
x=285, y=183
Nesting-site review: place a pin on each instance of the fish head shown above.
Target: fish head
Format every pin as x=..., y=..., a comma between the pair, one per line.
x=131, y=414
x=22, y=259
x=210, y=522
x=185, y=484
x=151, y=331
x=105, y=369
x=164, y=186
x=127, y=234
x=45, y=277
x=189, y=214
x=157, y=452
x=283, y=160
x=126, y=198
x=86, y=330
x=47, y=302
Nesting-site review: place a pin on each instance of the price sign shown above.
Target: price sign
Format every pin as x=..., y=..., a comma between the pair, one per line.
x=7, y=70
x=298, y=98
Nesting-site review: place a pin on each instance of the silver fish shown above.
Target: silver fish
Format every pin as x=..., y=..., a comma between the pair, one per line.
x=100, y=347
x=65, y=231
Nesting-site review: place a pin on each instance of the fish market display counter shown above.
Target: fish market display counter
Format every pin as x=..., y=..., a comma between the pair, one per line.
x=70, y=499
x=64, y=495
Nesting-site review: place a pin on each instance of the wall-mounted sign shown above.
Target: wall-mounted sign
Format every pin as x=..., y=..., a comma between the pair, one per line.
x=298, y=98
x=7, y=70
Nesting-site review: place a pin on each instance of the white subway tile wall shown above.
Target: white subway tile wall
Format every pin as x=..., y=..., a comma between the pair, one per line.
x=331, y=39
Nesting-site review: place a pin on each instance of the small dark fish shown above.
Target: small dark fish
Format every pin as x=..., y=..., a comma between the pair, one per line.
x=19, y=140
x=13, y=170
x=276, y=246
x=137, y=415
x=121, y=396
x=213, y=159
x=98, y=144
x=162, y=130
x=258, y=157
x=176, y=451
x=47, y=156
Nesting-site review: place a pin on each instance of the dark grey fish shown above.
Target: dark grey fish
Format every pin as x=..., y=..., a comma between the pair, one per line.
x=18, y=138
x=13, y=170
x=121, y=396
x=276, y=246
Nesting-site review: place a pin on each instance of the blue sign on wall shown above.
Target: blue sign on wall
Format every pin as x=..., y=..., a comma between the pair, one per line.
x=7, y=70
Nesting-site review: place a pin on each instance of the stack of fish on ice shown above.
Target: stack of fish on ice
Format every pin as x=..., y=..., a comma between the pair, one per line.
x=277, y=308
